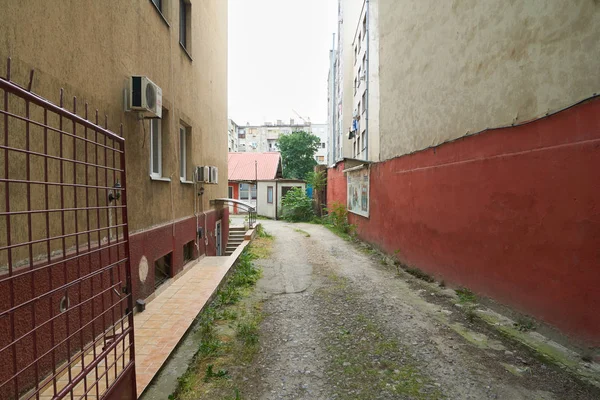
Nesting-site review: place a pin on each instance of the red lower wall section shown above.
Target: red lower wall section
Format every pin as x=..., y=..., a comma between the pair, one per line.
x=156, y=243
x=512, y=213
x=41, y=324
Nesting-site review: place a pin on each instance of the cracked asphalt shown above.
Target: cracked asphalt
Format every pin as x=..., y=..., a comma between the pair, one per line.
x=339, y=324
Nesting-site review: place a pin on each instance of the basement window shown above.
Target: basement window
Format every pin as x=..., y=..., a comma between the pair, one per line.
x=188, y=251
x=162, y=269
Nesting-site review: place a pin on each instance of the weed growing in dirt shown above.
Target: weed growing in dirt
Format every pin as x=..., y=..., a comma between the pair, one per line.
x=378, y=366
x=306, y=234
x=337, y=221
x=261, y=232
x=222, y=373
x=524, y=324
x=465, y=295
x=417, y=273
x=220, y=346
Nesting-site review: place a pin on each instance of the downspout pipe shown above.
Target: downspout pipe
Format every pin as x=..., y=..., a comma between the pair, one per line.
x=367, y=76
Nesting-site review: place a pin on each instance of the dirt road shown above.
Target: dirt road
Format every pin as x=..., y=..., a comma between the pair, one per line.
x=341, y=325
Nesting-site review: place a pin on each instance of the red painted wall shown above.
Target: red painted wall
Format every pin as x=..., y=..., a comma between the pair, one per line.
x=336, y=185
x=513, y=214
x=155, y=243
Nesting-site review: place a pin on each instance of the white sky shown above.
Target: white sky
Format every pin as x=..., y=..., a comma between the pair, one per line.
x=279, y=59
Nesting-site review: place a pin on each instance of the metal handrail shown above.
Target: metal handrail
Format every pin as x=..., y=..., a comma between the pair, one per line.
x=244, y=206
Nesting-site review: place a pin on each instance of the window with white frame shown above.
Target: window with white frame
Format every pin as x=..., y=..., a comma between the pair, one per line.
x=244, y=191
x=155, y=148
x=184, y=152
x=270, y=194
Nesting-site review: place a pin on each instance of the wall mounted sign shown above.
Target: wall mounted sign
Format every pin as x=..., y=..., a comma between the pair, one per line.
x=358, y=191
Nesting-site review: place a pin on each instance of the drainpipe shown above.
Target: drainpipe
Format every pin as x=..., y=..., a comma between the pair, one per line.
x=276, y=190
x=367, y=81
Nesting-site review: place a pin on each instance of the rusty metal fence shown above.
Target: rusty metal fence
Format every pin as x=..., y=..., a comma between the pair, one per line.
x=66, y=322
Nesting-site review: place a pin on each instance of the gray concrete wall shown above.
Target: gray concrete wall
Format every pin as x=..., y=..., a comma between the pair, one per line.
x=453, y=68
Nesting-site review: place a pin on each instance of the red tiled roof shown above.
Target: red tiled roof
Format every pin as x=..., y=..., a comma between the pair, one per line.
x=242, y=166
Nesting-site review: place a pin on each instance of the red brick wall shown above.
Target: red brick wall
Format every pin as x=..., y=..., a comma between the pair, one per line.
x=513, y=214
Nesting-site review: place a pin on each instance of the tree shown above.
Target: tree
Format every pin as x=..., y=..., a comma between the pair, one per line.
x=298, y=154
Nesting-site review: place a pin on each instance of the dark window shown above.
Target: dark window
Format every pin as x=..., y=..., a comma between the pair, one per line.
x=230, y=193
x=184, y=11
x=158, y=4
x=253, y=192
x=270, y=194
x=188, y=251
x=162, y=270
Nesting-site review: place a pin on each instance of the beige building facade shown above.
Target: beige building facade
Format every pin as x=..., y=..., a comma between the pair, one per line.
x=91, y=50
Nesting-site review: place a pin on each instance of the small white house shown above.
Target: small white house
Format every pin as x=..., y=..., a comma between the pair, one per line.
x=256, y=178
x=270, y=193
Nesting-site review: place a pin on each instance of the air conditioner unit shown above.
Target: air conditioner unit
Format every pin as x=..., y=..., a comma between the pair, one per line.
x=145, y=96
x=202, y=174
x=214, y=175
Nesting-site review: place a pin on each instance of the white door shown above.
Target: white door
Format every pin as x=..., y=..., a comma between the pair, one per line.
x=218, y=237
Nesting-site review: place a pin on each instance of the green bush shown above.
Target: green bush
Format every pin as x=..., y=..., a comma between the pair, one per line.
x=337, y=217
x=296, y=206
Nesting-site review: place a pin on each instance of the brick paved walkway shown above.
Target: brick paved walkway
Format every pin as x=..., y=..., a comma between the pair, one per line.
x=166, y=319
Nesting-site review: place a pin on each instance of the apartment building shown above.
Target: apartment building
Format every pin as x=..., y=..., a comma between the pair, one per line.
x=321, y=155
x=465, y=136
x=101, y=211
x=263, y=138
x=232, y=136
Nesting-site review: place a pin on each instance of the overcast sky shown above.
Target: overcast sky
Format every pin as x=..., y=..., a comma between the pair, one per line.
x=279, y=59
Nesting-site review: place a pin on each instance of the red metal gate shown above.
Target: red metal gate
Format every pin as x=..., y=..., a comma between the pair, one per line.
x=66, y=321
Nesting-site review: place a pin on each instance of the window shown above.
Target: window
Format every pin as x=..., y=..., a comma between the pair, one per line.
x=184, y=25
x=364, y=100
x=230, y=192
x=188, y=251
x=270, y=194
x=184, y=152
x=364, y=63
x=158, y=4
x=253, y=191
x=322, y=145
x=155, y=148
x=355, y=85
x=320, y=158
x=365, y=25
x=162, y=270
x=244, y=189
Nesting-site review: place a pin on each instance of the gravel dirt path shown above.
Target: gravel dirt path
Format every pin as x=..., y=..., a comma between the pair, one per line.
x=339, y=324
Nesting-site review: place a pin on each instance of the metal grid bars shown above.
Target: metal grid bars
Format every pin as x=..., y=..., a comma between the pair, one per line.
x=66, y=323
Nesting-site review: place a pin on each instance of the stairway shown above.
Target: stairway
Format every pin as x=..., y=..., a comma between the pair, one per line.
x=236, y=237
